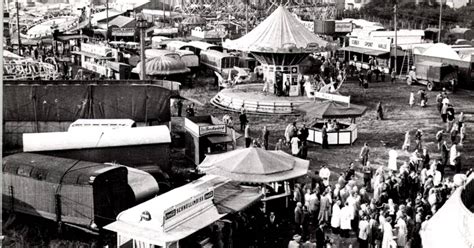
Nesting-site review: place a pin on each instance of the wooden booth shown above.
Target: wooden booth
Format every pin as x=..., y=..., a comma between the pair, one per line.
x=328, y=113
x=206, y=135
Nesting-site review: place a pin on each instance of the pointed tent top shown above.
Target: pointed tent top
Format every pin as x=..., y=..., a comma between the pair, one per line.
x=254, y=165
x=279, y=31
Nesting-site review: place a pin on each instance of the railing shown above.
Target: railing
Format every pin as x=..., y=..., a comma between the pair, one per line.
x=257, y=107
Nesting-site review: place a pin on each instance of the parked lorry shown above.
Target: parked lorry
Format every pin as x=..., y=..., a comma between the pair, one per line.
x=434, y=75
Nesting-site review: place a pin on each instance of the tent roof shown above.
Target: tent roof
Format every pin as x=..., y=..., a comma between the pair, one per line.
x=255, y=165
x=331, y=110
x=121, y=21
x=163, y=65
x=453, y=224
x=278, y=31
x=441, y=50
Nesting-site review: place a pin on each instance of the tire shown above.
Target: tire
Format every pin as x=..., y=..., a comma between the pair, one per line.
x=409, y=80
x=430, y=86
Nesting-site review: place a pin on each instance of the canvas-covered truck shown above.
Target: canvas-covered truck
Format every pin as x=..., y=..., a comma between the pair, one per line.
x=434, y=75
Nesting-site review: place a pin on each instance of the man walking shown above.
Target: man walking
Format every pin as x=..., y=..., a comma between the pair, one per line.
x=325, y=137
x=243, y=119
x=364, y=154
x=248, y=140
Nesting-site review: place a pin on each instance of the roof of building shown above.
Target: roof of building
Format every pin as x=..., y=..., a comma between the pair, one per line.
x=121, y=21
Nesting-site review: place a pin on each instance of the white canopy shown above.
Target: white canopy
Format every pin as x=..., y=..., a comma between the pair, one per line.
x=34, y=142
x=279, y=30
x=453, y=224
x=441, y=50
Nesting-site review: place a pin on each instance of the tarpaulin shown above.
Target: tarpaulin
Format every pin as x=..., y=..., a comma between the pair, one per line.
x=71, y=102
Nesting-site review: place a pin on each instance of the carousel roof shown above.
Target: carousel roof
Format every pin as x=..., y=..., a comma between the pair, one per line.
x=332, y=110
x=194, y=20
x=163, y=65
x=279, y=33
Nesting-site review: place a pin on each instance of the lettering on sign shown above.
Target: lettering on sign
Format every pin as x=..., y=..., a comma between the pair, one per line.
x=332, y=97
x=212, y=129
x=123, y=32
x=343, y=27
x=188, y=206
x=380, y=44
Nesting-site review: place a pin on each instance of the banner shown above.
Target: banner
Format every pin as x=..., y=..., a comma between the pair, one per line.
x=374, y=44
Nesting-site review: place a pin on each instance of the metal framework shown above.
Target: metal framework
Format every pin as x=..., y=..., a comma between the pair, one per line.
x=30, y=70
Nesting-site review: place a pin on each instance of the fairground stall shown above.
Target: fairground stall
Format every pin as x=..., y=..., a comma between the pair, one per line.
x=327, y=113
x=180, y=217
x=206, y=135
x=272, y=171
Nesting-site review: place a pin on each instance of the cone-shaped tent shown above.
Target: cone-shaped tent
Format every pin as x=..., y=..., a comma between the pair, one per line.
x=255, y=165
x=275, y=34
x=332, y=110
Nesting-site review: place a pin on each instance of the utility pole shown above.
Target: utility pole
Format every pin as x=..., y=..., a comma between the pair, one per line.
x=107, y=16
x=440, y=19
x=142, y=25
x=247, y=16
x=17, y=5
x=395, y=28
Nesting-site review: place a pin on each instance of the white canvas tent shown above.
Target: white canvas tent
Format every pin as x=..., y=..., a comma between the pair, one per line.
x=277, y=31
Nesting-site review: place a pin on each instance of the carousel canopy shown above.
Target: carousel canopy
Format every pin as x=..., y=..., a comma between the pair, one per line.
x=162, y=65
x=194, y=20
x=331, y=110
x=255, y=165
x=279, y=33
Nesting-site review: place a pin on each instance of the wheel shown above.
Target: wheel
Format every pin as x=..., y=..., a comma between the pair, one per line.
x=409, y=81
x=430, y=86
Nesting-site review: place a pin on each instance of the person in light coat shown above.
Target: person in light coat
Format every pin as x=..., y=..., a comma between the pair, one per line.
x=401, y=231
x=406, y=143
x=336, y=216
x=387, y=238
x=324, y=174
x=324, y=209
x=346, y=214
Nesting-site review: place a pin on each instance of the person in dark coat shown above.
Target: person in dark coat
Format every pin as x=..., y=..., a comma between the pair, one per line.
x=190, y=110
x=265, y=135
x=243, y=119
x=320, y=237
x=444, y=154
x=179, y=106
x=379, y=111
x=298, y=217
x=303, y=133
x=325, y=138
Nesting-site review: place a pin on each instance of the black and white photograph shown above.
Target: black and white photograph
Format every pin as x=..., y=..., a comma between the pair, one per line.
x=237, y=124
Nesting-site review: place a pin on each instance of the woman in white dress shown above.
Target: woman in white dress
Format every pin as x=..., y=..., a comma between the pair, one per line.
x=406, y=143
x=336, y=216
x=387, y=233
x=401, y=231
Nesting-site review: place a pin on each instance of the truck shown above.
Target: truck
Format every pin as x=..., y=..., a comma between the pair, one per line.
x=434, y=75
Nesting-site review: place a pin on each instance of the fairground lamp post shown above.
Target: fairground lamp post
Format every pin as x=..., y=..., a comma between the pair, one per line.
x=142, y=25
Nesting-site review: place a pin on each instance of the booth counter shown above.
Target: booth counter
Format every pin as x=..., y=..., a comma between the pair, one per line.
x=346, y=134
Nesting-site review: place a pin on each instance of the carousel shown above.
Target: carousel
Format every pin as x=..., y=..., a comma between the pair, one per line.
x=280, y=44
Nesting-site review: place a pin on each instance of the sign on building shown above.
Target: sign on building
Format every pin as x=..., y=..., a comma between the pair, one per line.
x=374, y=44
x=343, y=27
x=123, y=32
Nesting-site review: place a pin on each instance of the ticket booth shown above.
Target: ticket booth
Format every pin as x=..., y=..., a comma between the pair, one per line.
x=206, y=135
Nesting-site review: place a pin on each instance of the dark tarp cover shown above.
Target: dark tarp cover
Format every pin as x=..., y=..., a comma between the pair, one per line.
x=71, y=102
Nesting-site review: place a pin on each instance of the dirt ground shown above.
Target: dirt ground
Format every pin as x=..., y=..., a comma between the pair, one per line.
x=381, y=136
